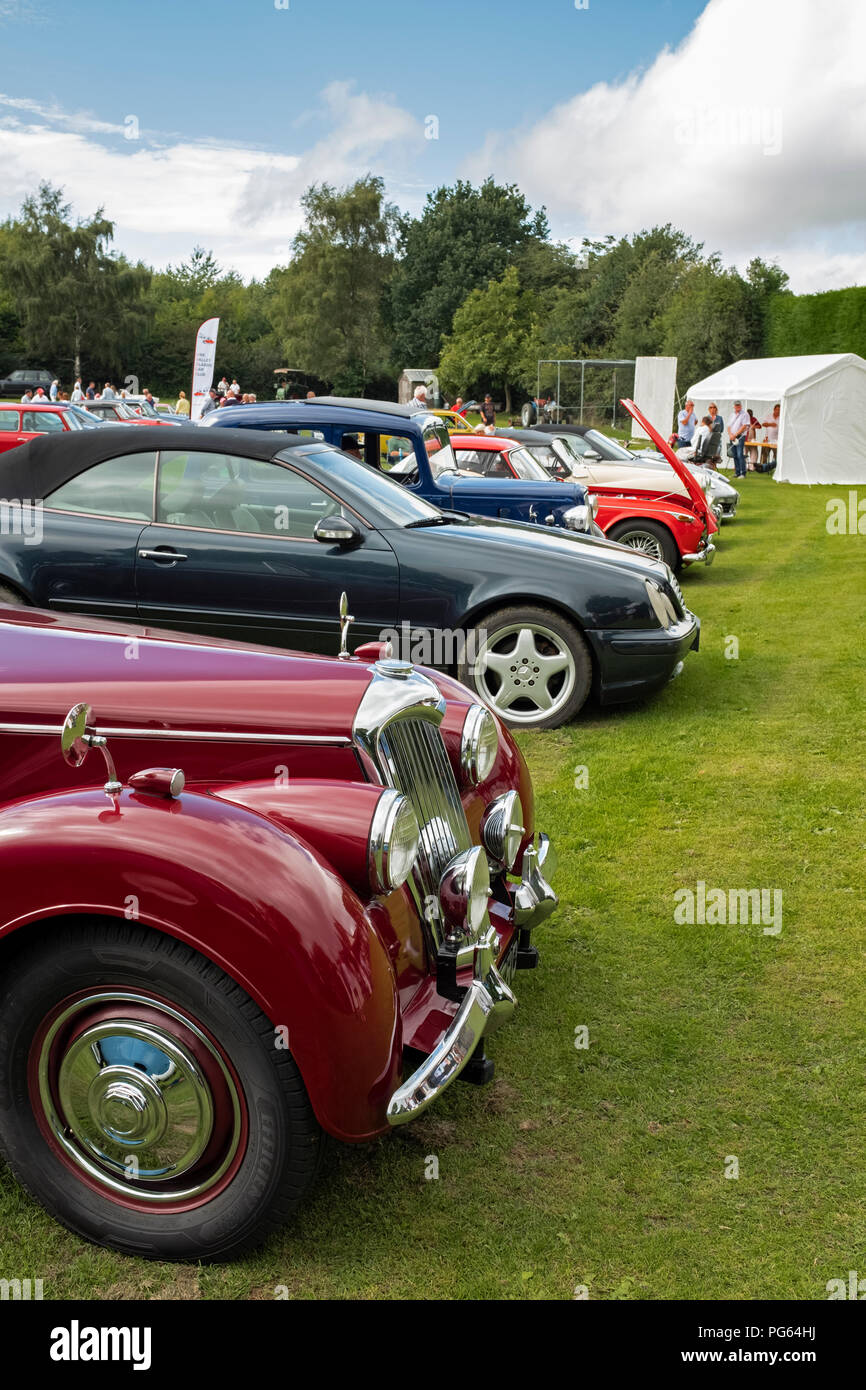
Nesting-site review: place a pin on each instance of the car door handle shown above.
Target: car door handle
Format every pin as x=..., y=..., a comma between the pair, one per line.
x=171, y=555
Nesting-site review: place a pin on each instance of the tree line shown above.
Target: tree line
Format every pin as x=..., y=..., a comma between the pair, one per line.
x=474, y=287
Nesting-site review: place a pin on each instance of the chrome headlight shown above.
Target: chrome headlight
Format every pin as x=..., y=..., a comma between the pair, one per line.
x=661, y=604
x=479, y=744
x=502, y=828
x=578, y=518
x=463, y=891
x=394, y=838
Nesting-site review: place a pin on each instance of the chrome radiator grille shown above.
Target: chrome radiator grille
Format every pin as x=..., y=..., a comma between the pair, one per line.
x=413, y=759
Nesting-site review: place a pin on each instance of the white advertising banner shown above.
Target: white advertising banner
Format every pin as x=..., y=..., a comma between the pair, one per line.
x=203, y=365
x=655, y=384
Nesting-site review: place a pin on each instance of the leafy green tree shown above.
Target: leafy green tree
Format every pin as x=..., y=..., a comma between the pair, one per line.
x=464, y=238
x=496, y=339
x=328, y=303
x=707, y=322
x=75, y=297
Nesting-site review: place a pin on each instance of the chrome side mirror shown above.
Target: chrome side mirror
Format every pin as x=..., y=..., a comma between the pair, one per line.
x=73, y=736
x=77, y=739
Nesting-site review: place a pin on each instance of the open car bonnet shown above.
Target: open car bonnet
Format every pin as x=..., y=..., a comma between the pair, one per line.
x=684, y=474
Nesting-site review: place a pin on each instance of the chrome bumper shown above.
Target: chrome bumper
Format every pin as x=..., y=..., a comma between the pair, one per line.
x=704, y=556
x=488, y=1001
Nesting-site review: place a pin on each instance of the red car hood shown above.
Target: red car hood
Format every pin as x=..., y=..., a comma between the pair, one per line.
x=684, y=474
x=139, y=677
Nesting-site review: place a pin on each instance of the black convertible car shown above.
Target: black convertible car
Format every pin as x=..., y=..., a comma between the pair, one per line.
x=252, y=536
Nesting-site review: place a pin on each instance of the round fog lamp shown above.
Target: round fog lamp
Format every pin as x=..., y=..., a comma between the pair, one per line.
x=464, y=889
x=502, y=828
x=479, y=744
x=394, y=838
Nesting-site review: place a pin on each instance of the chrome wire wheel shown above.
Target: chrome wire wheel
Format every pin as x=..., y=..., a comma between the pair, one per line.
x=643, y=541
x=525, y=672
x=138, y=1099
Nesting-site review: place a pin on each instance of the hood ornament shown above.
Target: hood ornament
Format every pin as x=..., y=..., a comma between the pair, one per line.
x=345, y=620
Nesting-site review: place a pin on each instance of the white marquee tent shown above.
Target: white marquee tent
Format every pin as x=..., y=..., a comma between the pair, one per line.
x=822, y=438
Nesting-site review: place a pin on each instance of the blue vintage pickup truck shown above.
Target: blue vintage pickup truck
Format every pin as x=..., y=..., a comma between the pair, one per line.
x=414, y=446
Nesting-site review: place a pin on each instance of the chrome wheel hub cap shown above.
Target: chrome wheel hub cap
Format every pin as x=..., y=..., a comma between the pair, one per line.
x=132, y=1100
x=525, y=673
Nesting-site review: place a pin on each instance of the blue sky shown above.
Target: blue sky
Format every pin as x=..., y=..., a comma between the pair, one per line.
x=615, y=116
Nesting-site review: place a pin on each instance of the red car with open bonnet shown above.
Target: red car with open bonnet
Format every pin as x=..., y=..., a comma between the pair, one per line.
x=675, y=527
x=249, y=896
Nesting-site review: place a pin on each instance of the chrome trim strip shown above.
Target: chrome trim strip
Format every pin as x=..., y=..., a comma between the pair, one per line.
x=196, y=735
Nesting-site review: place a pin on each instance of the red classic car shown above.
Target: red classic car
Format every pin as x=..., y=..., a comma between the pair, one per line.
x=19, y=423
x=287, y=894
x=669, y=526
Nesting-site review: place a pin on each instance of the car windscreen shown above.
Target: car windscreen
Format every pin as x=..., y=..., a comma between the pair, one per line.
x=359, y=482
x=80, y=419
x=437, y=442
x=608, y=448
x=533, y=462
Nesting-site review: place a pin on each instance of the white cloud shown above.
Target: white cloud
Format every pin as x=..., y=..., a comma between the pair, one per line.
x=750, y=136
x=244, y=203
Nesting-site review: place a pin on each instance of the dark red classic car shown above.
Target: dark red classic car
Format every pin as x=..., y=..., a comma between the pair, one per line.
x=287, y=894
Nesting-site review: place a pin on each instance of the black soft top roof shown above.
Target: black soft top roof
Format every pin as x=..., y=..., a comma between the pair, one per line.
x=33, y=471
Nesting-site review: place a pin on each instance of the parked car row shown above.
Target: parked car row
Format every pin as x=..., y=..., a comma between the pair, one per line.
x=253, y=896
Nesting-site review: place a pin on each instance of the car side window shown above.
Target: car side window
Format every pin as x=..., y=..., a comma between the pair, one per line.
x=40, y=422
x=8, y=419
x=222, y=492
x=120, y=487
x=497, y=466
x=470, y=460
x=393, y=448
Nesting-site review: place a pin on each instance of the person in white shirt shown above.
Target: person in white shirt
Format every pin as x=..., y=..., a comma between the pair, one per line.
x=108, y=392
x=699, y=438
x=772, y=428
x=40, y=398
x=738, y=428
x=27, y=397
x=77, y=393
x=419, y=399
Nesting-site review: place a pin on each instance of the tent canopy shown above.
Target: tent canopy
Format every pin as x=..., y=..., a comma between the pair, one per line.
x=822, y=435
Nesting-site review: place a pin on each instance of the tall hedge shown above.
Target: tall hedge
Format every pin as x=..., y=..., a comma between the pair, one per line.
x=834, y=321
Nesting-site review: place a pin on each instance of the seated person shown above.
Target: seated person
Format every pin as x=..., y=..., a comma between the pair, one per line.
x=703, y=442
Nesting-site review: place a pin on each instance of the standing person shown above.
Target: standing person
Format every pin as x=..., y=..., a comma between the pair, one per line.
x=27, y=397
x=54, y=388
x=40, y=398
x=182, y=406
x=488, y=414
x=686, y=422
x=234, y=389
x=209, y=403
x=108, y=392
x=77, y=393
x=222, y=385
x=419, y=399
x=737, y=431
x=91, y=391
x=458, y=405
x=772, y=428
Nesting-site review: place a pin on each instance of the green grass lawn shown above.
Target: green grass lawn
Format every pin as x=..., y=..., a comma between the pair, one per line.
x=605, y=1166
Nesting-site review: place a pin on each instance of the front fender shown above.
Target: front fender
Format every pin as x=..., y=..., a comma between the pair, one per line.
x=259, y=902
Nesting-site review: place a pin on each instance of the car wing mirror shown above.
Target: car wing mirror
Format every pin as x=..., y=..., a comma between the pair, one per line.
x=592, y=455
x=76, y=740
x=336, y=530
